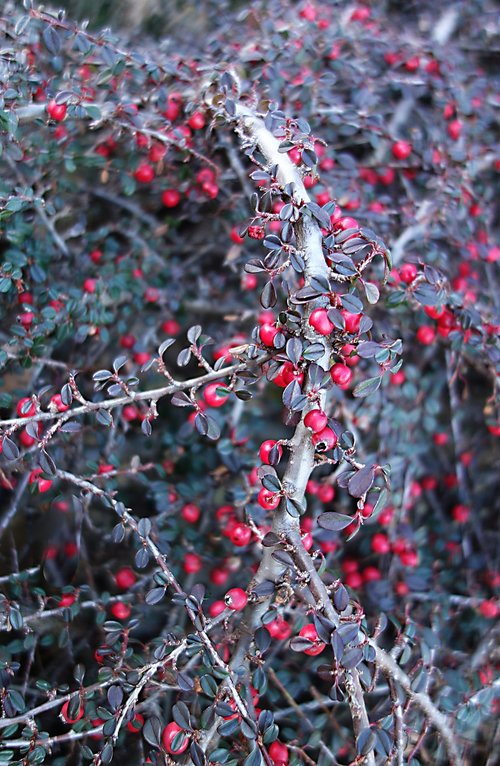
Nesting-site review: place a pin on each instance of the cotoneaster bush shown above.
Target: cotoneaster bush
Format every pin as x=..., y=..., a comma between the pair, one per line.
x=249, y=389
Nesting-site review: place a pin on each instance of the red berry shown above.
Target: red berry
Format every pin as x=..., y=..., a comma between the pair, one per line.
x=279, y=628
x=67, y=599
x=216, y=608
x=66, y=716
x=325, y=493
x=127, y=341
x=352, y=321
x=212, y=398
x=460, y=513
x=489, y=609
x=56, y=111
x=402, y=150
x=120, y=610
x=353, y=580
x=265, y=451
x=192, y=563
x=170, y=732
x=320, y=322
x=324, y=440
x=136, y=724
x=240, y=535
x=267, y=334
x=23, y=410
x=89, y=285
x=190, y=513
x=219, y=576
x=411, y=65
x=256, y=232
x=380, y=543
x=196, y=121
x=236, y=237
x=310, y=632
x=426, y=335
x=144, y=173
x=408, y=272
x=170, y=197
x=268, y=500
x=346, y=222
x=316, y=420
x=236, y=599
x=125, y=578
x=371, y=574
x=278, y=752
x=409, y=558
x=341, y=375
x=454, y=129
x=171, y=327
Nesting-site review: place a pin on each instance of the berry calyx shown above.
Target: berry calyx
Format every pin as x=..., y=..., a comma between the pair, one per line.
x=325, y=440
x=268, y=500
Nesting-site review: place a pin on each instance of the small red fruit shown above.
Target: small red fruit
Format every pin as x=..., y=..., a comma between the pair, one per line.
x=316, y=420
x=268, y=500
x=190, y=513
x=192, y=563
x=352, y=321
x=310, y=632
x=320, y=322
x=89, y=285
x=216, y=608
x=279, y=629
x=120, y=610
x=402, y=150
x=341, y=374
x=265, y=451
x=325, y=493
x=236, y=237
x=380, y=543
x=324, y=440
x=256, y=232
x=240, y=535
x=267, y=334
x=460, y=513
x=212, y=398
x=66, y=716
x=170, y=197
x=426, y=335
x=236, y=599
x=125, y=578
x=170, y=732
x=144, y=173
x=22, y=408
x=489, y=609
x=136, y=724
x=278, y=753
x=196, y=121
x=56, y=111
x=408, y=272
x=454, y=129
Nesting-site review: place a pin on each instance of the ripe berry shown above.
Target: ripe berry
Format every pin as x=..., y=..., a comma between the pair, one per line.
x=346, y=222
x=256, y=232
x=324, y=440
x=67, y=599
x=489, y=609
x=409, y=558
x=265, y=451
x=319, y=320
x=316, y=420
x=236, y=599
x=56, y=111
x=125, y=578
x=454, y=129
x=212, y=398
x=341, y=375
x=460, y=513
x=120, y=610
x=310, y=632
x=278, y=753
x=144, y=173
x=170, y=197
x=279, y=629
x=352, y=321
x=267, y=334
x=192, y=563
x=170, y=732
x=308, y=13
x=236, y=237
x=240, y=535
x=23, y=410
x=43, y=484
x=353, y=580
x=402, y=149
x=371, y=574
x=219, y=576
x=89, y=285
x=196, y=121
x=136, y=724
x=216, y=608
x=268, y=500
x=380, y=543
x=426, y=335
x=408, y=272
x=325, y=493
x=67, y=717
x=190, y=513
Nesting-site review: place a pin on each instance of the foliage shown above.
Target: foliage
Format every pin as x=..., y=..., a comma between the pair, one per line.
x=249, y=533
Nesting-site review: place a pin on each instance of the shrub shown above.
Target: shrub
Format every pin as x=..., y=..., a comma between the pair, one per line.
x=236, y=533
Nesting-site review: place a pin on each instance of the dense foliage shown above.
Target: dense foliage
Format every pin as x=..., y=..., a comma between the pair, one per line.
x=249, y=414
